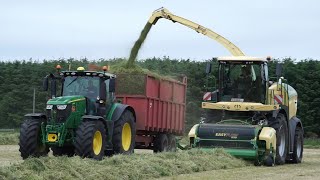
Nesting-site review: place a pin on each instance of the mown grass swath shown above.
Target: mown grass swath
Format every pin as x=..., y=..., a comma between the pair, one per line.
x=137, y=166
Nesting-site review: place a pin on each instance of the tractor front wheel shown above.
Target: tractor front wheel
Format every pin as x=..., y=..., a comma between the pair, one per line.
x=298, y=146
x=124, y=134
x=90, y=140
x=281, y=127
x=30, y=139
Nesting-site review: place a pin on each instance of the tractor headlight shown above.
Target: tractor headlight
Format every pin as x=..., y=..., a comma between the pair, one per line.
x=49, y=106
x=61, y=107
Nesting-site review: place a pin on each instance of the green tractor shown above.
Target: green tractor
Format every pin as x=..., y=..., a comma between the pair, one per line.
x=82, y=120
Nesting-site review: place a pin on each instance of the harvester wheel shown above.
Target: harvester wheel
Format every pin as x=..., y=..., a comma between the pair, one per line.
x=172, y=143
x=61, y=151
x=298, y=146
x=124, y=134
x=90, y=140
x=281, y=127
x=161, y=143
x=30, y=139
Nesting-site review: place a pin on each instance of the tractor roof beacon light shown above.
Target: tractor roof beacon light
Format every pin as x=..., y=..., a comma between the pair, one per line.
x=105, y=68
x=80, y=69
x=58, y=67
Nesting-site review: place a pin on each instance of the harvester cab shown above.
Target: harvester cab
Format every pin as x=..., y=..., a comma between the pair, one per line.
x=82, y=119
x=250, y=114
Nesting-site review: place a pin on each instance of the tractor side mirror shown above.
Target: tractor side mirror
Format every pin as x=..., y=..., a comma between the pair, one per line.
x=45, y=83
x=279, y=70
x=112, y=85
x=208, y=68
x=102, y=93
x=53, y=88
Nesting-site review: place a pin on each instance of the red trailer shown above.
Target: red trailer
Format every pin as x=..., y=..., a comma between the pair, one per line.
x=159, y=105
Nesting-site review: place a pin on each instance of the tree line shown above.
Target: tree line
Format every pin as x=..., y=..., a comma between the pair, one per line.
x=18, y=79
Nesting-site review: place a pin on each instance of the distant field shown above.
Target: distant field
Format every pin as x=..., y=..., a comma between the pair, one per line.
x=10, y=137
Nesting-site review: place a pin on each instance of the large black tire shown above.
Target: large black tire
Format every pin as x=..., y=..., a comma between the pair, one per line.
x=30, y=139
x=281, y=127
x=124, y=134
x=63, y=151
x=298, y=146
x=172, y=143
x=90, y=140
x=161, y=143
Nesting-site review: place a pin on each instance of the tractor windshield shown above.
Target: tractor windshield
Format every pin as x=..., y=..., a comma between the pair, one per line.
x=241, y=81
x=81, y=85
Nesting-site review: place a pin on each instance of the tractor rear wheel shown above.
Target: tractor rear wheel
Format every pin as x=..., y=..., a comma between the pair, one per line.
x=161, y=143
x=298, y=146
x=90, y=140
x=63, y=151
x=30, y=139
x=281, y=127
x=124, y=134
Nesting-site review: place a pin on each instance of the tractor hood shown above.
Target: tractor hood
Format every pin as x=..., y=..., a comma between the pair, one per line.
x=64, y=100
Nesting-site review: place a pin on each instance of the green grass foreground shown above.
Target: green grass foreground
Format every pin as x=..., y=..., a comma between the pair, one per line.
x=136, y=166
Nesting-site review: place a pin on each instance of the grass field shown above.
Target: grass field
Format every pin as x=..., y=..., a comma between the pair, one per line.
x=144, y=165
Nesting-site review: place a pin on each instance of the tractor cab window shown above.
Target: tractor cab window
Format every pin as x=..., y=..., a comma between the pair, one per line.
x=81, y=85
x=241, y=82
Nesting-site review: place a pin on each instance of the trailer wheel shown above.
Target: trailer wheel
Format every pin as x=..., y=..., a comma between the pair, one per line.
x=90, y=140
x=161, y=143
x=124, y=134
x=298, y=146
x=30, y=139
x=61, y=151
x=280, y=125
x=172, y=143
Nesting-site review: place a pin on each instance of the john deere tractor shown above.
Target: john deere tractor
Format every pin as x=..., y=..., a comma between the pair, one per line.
x=83, y=119
x=250, y=114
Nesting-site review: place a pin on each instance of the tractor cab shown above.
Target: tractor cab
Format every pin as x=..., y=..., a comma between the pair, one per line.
x=96, y=89
x=242, y=79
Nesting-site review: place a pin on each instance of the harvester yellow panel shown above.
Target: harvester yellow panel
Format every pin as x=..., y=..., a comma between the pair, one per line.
x=192, y=132
x=239, y=106
x=268, y=134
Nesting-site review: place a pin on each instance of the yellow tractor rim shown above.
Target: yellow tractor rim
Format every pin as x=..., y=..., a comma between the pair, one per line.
x=97, y=142
x=126, y=136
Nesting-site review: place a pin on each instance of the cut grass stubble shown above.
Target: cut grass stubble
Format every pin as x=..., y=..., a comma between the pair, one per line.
x=136, y=166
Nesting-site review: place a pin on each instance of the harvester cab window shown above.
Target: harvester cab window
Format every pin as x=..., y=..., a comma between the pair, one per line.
x=241, y=82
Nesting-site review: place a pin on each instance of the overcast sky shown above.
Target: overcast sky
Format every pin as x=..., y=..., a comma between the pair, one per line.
x=108, y=29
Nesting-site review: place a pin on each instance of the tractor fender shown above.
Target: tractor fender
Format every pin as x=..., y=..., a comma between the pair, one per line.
x=93, y=118
x=36, y=116
x=293, y=123
x=119, y=109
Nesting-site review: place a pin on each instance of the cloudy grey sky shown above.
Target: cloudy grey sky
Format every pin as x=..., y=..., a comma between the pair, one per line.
x=107, y=29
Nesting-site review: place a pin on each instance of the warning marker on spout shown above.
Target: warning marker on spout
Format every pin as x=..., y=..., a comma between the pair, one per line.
x=278, y=99
x=207, y=96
